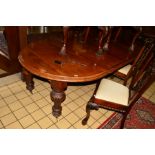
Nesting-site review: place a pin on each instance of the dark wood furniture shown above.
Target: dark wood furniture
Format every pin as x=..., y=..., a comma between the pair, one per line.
x=16, y=38
x=10, y=63
x=125, y=38
x=79, y=64
x=117, y=97
x=138, y=34
x=102, y=34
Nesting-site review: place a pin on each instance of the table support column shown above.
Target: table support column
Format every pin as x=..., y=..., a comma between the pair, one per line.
x=57, y=96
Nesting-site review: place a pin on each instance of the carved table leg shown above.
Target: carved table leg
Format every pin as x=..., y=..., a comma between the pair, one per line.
x=57, y=96
x=28, y=77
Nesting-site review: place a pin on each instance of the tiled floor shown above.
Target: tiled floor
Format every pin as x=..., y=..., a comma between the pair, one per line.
x=21, y=109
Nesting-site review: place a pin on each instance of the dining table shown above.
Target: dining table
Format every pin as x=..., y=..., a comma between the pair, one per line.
x=79, y=63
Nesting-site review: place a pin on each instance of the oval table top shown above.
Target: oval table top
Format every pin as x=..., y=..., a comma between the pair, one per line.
x=79, y=64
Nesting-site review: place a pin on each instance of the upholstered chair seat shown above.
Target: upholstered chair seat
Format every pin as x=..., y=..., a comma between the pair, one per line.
x=125, y=69
x=111, y=91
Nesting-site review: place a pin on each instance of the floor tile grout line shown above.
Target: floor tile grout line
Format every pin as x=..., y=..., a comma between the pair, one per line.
x=15, y=95
x=66, y=120
x=35, y=121
x=32, y=124
x=73, y=111
x=7, y=113
x=46, y=115
x=20, y=118
x=18, y=100
x=2, y=124
x=14, y=116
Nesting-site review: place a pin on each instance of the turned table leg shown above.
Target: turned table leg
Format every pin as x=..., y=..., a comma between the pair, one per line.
x=28, y=78
x=57, y=96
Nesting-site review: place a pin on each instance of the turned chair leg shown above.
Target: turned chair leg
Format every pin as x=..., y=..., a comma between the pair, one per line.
x=117, y=34
x=106, y=44
x=65, y=34
x=86, y=33
x=103, y=31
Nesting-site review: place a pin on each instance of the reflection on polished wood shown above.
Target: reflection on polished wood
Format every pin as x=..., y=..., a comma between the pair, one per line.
x=79, y=64
x=102, y=34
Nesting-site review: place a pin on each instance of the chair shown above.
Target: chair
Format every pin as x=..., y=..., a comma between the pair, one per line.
x=103, y=31
x=122, y=73
x=126, y=35
x=104, y=34
x=120, y=98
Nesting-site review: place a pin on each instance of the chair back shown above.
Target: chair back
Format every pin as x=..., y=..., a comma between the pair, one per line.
x=142, y=73
x=143, y=57
x=127, y=35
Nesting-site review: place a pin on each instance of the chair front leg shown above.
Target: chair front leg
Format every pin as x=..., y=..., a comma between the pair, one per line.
x=90, y=106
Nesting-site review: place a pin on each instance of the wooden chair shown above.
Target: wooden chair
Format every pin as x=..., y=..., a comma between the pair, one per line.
x=103, y=31
x=104, y=34
x=126, y=36
x=117, y=97
x=123, y=72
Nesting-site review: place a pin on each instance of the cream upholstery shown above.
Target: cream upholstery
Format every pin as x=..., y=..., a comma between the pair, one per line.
x=125, y=69
x=109, y=90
